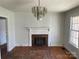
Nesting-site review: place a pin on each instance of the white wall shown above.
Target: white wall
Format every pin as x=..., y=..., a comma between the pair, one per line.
x=11, y=27
x=52, y=20
x=68, y=14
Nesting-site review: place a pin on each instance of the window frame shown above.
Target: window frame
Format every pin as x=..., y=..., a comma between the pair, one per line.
x=74, y=30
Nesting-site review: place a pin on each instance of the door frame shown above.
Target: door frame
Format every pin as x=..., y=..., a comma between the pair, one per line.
x=6, y=25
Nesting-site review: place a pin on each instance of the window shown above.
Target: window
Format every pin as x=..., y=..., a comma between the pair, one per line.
x=74, y=31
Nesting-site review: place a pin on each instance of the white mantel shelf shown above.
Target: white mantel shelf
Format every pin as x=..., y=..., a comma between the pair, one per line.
x=37, y=28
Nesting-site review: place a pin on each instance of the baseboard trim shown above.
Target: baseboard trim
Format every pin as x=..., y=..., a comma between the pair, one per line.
x=57, y=46
x=11, y=52
x=38, y=46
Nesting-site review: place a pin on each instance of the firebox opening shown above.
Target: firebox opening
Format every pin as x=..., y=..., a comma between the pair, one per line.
x=40, y=40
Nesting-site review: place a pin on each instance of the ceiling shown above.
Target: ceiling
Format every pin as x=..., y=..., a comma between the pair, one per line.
x=51, y=5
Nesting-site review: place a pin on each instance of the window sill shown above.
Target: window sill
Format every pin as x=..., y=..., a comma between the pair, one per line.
x=74, y=45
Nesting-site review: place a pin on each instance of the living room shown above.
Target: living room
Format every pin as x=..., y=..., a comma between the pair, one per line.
x=55, y=31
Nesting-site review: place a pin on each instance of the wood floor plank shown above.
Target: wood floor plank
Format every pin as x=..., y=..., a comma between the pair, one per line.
x=39, y=53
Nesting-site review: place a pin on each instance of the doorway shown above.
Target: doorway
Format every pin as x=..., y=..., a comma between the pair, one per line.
x=3, y=38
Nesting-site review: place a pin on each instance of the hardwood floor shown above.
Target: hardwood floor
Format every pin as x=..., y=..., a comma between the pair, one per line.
x=40, y=53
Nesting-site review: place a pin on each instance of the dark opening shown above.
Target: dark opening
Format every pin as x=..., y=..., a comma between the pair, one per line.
x=39, y=40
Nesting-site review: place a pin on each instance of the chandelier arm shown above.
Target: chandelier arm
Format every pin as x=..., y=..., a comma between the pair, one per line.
x=37, y=13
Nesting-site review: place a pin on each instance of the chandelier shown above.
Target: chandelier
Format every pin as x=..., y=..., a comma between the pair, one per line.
x=39, y=11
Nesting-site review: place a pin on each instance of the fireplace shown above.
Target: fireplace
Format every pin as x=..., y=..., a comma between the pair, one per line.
x=40, y=40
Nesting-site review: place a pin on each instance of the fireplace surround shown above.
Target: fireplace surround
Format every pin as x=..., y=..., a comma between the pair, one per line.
x=37, y=35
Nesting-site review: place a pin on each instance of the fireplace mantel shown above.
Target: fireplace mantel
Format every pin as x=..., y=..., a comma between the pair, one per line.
x=36, y=30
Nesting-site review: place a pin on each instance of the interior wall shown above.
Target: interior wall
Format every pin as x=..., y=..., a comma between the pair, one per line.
x=68, y=14
x=11, y=27
x=54, y=21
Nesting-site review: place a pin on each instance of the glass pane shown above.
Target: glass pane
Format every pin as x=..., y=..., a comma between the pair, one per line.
x=76, y=41
x=74, y=23
x=75, y=27
x=75, y=19
x=74, y=37
x=74, y=34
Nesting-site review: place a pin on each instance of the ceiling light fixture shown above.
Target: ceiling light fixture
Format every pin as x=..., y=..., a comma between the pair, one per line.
x=39, y=11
